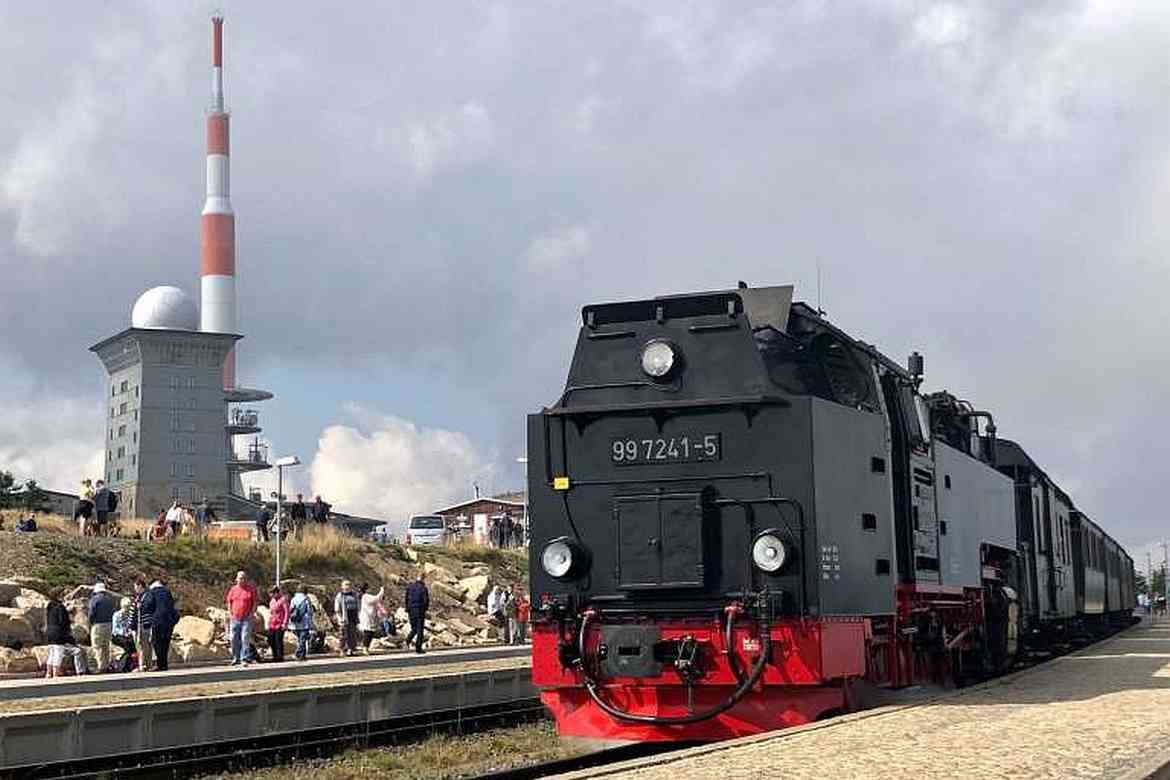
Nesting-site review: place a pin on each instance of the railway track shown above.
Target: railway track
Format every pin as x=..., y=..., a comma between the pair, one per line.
x=236, y=755
x=587, y=761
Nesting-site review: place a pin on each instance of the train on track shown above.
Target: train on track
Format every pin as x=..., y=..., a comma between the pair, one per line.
x=743, y=519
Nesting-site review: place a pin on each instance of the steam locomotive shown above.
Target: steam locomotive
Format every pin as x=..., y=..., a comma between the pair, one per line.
x=744, y=519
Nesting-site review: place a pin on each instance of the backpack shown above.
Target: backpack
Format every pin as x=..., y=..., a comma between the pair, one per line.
x=299, y=612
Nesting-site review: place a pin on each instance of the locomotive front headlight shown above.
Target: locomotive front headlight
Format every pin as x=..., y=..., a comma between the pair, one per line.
x=557, y=559
x=769, y=552
x=659, y=358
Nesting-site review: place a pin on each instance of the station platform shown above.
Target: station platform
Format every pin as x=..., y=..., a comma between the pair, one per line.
x=192, y=712
x=1101, y=712
x=27, y=693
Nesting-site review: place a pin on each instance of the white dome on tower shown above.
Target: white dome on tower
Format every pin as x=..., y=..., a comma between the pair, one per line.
x=167, y=308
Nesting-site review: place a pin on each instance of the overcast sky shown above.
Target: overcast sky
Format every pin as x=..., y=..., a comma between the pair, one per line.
x=427, y=193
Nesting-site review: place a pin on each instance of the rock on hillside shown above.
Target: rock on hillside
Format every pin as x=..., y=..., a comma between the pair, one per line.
x=200, y=573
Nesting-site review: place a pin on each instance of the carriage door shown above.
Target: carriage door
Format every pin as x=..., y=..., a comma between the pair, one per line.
x=924, y=519
x=1049, y=545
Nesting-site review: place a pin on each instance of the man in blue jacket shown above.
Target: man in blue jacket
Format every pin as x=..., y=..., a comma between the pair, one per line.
x=157, y=612
x=418, y=600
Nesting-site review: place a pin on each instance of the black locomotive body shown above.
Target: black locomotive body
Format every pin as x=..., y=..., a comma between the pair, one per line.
x=738, y=512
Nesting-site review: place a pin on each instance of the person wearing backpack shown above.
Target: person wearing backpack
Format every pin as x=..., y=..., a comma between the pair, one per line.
x=347, y=608
x=300, y=620
x=105, y=503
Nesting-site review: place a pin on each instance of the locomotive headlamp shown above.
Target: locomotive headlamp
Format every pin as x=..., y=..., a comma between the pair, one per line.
x=559, y=557
x=659, y=358
x=769, y=552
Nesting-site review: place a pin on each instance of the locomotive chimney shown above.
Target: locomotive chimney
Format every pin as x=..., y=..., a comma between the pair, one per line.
x=915, y=366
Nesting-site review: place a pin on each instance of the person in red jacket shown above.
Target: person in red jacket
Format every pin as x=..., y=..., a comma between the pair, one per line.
x=242, y=600
x=277, y=622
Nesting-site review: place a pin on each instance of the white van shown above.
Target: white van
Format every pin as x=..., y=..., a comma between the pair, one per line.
x=427, y=529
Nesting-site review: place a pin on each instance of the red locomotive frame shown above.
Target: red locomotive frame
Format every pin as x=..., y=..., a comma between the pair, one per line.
x=811, y=673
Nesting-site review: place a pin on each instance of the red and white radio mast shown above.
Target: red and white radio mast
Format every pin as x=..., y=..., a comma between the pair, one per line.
x=218, y=274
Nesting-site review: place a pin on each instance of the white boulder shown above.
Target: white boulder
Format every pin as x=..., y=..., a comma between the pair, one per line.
x=474, y=588
x=196, y=630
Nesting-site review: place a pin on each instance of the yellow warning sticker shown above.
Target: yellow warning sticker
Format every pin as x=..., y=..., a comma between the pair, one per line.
x=560, y=483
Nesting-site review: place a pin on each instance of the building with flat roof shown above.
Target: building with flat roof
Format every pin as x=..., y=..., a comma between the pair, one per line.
x=165, y=426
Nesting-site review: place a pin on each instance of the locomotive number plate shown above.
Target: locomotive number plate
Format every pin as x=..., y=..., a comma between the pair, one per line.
x=697, y=448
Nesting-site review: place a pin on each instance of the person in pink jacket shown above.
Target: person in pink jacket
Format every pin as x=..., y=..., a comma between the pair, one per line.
x=277, y=622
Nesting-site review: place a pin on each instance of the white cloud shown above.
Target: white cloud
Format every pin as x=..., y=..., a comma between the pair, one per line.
x=557, y=248
x=43, y=167
x=455, y=137
x=56, y=441
x=386, y=467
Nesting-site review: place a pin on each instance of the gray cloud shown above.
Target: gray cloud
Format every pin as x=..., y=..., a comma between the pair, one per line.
x=440, y=189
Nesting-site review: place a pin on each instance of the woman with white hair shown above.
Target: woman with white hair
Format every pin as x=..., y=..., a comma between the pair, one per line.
x=123, y=632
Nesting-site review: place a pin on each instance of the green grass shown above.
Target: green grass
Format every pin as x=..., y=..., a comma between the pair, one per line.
x=62, y=563
x=437, y=757
x=514, y=558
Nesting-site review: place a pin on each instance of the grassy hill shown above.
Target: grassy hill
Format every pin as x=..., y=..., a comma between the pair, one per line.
x=199, y=572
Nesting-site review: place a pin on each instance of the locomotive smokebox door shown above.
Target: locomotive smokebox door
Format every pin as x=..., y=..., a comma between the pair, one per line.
x=659, y=541
x=629, y=651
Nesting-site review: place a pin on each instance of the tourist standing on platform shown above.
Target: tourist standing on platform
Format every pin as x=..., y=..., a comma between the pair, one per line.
x=100, y=611
x=300, y=620
x=368, y=615
x=512, y=630
x=522, y=615
x=242, y=600
x=142, y=629
x=418, y=601
x=347, y=609
x=277, y=622
x=495, y=601
x=158, y=610
x=123, y=632
x=59, y=636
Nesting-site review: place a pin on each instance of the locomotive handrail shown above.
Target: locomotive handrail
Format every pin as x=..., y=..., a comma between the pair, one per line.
x=746, y=685
x=727, y=400
x=774, y=500
x=682, y=478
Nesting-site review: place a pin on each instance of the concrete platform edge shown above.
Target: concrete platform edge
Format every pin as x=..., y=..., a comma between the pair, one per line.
x=29, y=689
x=852, y=717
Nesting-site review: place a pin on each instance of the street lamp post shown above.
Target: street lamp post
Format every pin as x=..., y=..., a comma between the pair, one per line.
x=523, y=461
x=281, y=463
